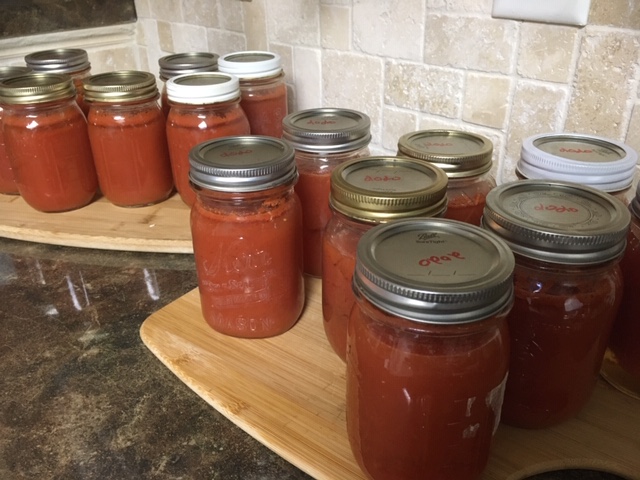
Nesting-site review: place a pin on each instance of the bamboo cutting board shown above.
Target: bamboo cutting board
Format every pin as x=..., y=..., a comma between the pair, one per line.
x=163, y=227
x=288, y=392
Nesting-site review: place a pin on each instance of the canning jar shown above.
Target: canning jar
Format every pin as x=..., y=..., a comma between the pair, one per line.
x=181, y=63
x=465, y=157
x=72, y=61
x=567, y=240
x=203, y=106
x=366, y=192
x=47, y=142
x=323, y=139
x=246, y=229
x=621, y=364
x=598, y=162
x=7, y=180
x=264, y=92
x=428, y=349
x=128, y=138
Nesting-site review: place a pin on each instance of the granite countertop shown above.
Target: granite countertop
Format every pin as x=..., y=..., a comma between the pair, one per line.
x=81, y=397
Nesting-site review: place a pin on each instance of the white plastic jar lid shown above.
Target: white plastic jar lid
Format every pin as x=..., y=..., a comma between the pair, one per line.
x=598, y=162
x=203, y=88
x=251, y=64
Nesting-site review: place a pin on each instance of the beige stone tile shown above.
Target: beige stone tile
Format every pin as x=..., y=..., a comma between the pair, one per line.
x=143, y=61
x=470, y=42
x=615, y=13
x=231, y=15
x=286, y=56
x=201, y=12
x=389, y=27
x=421, y=87
x=427, y=122
x=168, y=10
x=486, y=99
x=480, y=6
x=189, y=38
x=295, y=22
x=335, y=27
x=536, y=108
x=633, y=133
x=396, y=123
x=143, y=9
x=307, y=77
x=362, y=91
x=165, y=36
x=547, y=51
x=605, y=80
x=336, y=2
x=255, y=25
x=114, y=58
x=223, y=42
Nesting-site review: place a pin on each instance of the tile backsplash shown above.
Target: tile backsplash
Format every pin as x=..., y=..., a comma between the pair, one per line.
x=415, y=64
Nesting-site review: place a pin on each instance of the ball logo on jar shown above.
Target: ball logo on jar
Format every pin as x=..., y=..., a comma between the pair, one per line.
x=575, y=150
x=437, y=144
x=555, y=208
x=441, y=259
x=236, y=153
x=321, y=122
x=383, y=178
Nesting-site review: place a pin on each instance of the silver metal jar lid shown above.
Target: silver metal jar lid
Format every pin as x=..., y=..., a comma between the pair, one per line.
x=187, y=62
x=36, y=88
x=557, y=222
x=327, y=130
x=120, y=86
x=434, y=270
x=460, y=154
x=598, y=162
x=380, y=189
x=58, y=60
x=242, y=164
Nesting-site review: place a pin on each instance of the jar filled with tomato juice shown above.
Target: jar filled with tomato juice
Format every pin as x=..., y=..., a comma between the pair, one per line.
x=128, y=138
x=7, y=180
x=567, y=240
x=263, y=87
x=47, y=142
x=181, y=63
x=598, y=162
x=323, y=139
x=428, y=349
x=72, y=61
x=366, y=192
x=203, y=106
x=247, y=241
x=621, y=365
x=465, y=157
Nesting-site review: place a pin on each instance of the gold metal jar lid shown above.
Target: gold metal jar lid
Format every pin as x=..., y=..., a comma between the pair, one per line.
x=58, y=60
x=187, y=62
x=558, y=222
x=459, y=154
x=7, y=71
x=120, y=86
x=380, y=189
x=36, y=88
x=434, y=270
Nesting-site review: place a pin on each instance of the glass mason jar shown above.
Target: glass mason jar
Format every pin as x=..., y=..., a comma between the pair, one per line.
x=264, y=92
x=568, y=240
x=366, y=192
x=246, y=229
x=203, y=106
x=621, y=365
x=323, y=139
x=181, y=63
x=72, y=61
x=7, y=180
x=597, y=162
x=465, y=157
x=47, y=142
x=428, y=349
x=128, y=138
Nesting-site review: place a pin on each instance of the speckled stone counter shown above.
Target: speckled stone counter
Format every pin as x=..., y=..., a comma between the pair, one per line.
x=81, y=397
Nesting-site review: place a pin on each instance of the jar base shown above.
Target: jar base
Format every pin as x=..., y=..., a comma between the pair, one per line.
x=619, y=378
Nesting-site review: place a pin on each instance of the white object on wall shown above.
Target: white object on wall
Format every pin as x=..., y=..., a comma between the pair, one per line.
x=565, y=12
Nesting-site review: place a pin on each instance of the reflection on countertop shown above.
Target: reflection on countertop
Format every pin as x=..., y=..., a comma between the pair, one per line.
x=81, y=397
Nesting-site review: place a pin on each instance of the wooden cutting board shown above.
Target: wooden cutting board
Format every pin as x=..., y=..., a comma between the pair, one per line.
x=288, y=392
x=163, y=227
